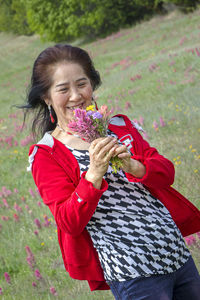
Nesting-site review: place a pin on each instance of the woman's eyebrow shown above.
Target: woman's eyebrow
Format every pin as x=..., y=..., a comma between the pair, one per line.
x=65, y=83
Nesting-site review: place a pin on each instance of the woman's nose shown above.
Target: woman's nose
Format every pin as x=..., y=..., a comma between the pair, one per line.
x=74, y=95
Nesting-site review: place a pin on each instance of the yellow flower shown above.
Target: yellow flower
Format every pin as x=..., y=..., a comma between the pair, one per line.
x=90, y=107
x=190, y=146
x=193, y=150
x=195, y=171
x=42, y=244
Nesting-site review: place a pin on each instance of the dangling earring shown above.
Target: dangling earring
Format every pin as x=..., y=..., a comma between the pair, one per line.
x=51, y=117
x=95, y=103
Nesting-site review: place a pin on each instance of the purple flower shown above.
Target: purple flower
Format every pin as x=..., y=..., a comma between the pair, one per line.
x=37, y=223
x=34, y=284
x=37, y=274
x=96, y=115
x=53, y=290
x=7, y=277
x=1, y=291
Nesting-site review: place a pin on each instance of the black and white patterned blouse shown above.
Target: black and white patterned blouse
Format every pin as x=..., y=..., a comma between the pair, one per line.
x=131, y=230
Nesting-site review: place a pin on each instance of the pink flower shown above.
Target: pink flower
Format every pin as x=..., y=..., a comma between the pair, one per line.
x=37, y=223
x=141, y=120
x=7, y=277
x=5, y=203
x=17, y=208
x=32, y=193
x=127, y=105
x=1, y=291
x=4, y=218
x=36, y=232
x=39, y=203
x=34, y=284
x=37, y=274
x=197, y=51
x=53, y=291
x=162, y=122
x=47, y=222
x=16, y=217
x=155, y=125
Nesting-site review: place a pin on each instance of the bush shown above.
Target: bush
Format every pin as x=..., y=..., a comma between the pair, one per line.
x=69, y=19
x=184, y=5
x=13, y=17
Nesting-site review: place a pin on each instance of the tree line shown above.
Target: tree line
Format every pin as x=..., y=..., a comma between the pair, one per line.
x=61, y=20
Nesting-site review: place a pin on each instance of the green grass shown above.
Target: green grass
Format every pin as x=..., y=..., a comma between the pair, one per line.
x=160, y=51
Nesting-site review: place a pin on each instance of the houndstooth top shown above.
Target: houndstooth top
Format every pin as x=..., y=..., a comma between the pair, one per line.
x=132, y=231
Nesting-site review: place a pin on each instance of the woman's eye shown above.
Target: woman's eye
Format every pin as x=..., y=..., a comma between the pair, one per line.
x=64, y=90
x=81, y=84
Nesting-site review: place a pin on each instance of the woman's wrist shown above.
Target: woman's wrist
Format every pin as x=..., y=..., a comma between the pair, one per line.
x=94, y=179
x=137, y=169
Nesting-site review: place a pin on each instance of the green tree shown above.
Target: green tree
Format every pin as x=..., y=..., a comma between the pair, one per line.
x=13, y=17
x=70, y=19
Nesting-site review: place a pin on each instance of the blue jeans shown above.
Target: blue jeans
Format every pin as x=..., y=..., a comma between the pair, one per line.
x=184, y=284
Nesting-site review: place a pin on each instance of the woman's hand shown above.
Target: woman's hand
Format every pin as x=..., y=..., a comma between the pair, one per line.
x=130, y=165
x=101, y=150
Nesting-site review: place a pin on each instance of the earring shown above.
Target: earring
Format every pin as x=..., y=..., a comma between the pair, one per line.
x=95, y=103
x=51, y=117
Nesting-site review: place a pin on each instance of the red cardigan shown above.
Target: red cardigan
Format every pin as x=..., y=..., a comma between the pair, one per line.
x=73, y=201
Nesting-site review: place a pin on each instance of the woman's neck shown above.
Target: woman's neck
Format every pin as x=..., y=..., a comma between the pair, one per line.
x=70, y=140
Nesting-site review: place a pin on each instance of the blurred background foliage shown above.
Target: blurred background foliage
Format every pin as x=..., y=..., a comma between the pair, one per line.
x=61, y=20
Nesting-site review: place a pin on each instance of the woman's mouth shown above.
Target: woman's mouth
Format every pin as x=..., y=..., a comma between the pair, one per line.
x=72, y=108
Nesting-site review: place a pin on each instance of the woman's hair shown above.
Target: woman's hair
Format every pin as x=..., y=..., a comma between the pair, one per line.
x=41, y=82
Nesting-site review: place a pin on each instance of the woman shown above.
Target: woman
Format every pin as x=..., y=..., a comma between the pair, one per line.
x=117, y=231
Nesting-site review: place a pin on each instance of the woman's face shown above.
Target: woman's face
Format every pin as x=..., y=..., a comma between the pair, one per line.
x=71, y=89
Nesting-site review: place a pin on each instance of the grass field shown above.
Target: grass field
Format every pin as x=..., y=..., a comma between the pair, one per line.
x=150, y=72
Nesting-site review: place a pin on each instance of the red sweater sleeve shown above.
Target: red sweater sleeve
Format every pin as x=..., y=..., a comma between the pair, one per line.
x=71, y=204
x=159, y=170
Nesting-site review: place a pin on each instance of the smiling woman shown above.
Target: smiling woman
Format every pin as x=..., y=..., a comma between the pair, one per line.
x=120, y=230
x=62, y=74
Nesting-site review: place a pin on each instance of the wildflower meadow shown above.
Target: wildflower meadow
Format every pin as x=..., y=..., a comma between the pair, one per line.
x=151, y=72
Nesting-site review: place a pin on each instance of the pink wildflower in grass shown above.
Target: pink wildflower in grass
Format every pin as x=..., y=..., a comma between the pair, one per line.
x=141, y=120
x=197, y=52
x=17, y=208
x=39, y=203
x=136, y=77
x=153, y=67
x=127, y=105
x=53, y=291
x=155, y=125
x=4, y=218
x=27, y=207
x=23, y=198
x=34, y=284
x=5, y=203
x=32, y=193
x=36, y=232
x=47, y=223
x=1, y=291
x=16, y=217
x=162, y=122
x=37, y=223
x=37, y=274
x=16, y=191
x=7, y=277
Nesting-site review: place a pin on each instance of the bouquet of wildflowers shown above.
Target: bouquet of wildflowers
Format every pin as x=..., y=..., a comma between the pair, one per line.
x=90, y=124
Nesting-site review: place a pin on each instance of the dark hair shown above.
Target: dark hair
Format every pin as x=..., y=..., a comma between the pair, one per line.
x=41, y=82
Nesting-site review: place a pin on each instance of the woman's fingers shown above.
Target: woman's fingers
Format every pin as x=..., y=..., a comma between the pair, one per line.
x=102, y=145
